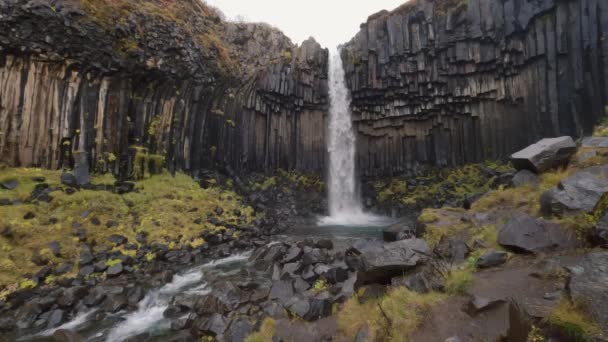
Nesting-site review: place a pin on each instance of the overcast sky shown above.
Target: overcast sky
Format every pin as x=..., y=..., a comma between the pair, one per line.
x=331, y=22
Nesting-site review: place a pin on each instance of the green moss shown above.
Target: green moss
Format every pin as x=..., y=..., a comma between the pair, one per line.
x=113, y=262
x=230, y=123
x=392, y=318
x=320, y=285
x=27, y=284
x=266, y=333
x=572, y=320
x=160, y=206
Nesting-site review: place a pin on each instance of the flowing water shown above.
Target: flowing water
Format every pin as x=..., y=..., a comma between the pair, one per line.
x=149, y=315
x=345, y=207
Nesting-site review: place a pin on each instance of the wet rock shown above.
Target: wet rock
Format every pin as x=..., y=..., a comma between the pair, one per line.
x=545, y=154
x=588, y=284
x=377, y=262
x=214, y=325
x=71, y=296
x=524, y=233
x=581, y=192
x=300, y=285
x=525, y=177
x=115, y=303
x=68, y=179
x=95, y=221
x=56, y=318
x=5, y=202
x=7, y=324
x=63, y=335
x=9, y=184
x=402, y=230
x=291, y=269
x=224, y=297
x=135, y=295
x=282, y=291
x=492, y=259
x=292, y=254
x=95, y=297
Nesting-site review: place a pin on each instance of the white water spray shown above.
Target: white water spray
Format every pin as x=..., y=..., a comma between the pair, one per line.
x=344, y=203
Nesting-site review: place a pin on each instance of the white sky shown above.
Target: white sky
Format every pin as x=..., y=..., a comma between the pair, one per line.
x=330, y=22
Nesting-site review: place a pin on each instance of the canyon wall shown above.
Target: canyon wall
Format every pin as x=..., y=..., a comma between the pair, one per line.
x=446, y=82
x=195, y=91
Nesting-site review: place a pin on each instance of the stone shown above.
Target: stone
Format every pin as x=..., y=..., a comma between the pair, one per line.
x=7, y=232
x=64, y=268
x=421, y=281
x=117, y=239
x=479, y=304
x=56, y=318
x=491, y=258
x=86, y=270
x=55, y=247
x=525, y=177
x=214, y=325
x=595, y=142
x=68, y=179
x=452, y=249
x=402, y=230
x=324, y=244
x=224, y=297
x=64, y=335
x=292, y=254
x=377, y=262
x=86, y=256
x=29, y=215
x=238, y=330
x=589, y=284
x=115, y=303
x=544, y=155
x=9, y=184
x=524, y=233
x=115, y=270
x=581, y=192
x=282, y=291
x=81, y=168
x=71, y=296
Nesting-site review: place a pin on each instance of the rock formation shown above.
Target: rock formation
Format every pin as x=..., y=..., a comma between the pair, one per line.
x=173, y=79
x=454, y=81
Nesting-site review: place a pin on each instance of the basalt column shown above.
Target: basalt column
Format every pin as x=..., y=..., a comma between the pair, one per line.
x=447, y=82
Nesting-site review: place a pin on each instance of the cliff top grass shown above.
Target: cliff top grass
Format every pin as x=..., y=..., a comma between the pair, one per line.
x=163, y=206
x=391, y=318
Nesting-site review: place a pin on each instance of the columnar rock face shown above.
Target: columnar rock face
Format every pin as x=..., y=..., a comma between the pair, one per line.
x=452, y=81
x=199, y=91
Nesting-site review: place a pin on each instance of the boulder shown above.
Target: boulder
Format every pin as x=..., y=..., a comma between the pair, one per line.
x=115, y=270
x=68, y=179
x=589, y=284
x=525, y=177
x=117, y=239
x=595, y=142
x=215, y=325
x=309, y=309
x=282, y=291
x=238, y=330
x=421, y=281
x=545, y=154
x=402, y=230
x=492, y=259
x=9, y=184
x=524, y=233
x=581, y=192
x=378, y=262
x=56, y=318
x=224, y=297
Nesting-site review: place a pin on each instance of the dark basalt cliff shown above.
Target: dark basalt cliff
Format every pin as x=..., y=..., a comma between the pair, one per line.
x=169, y=76
x=454, y=81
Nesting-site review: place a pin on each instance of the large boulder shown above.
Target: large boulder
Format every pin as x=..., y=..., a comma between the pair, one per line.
x=589, y=285
x=404, y=229
x=545, y=154
x=524, y=233
x=581, y=192
x=378, y=262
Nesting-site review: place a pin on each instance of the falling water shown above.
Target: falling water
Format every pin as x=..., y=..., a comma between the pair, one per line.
x=344, y=202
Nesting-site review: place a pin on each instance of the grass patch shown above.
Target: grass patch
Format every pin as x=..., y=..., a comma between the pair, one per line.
x=572, y=320
x=166, y=208
x=391, y=318
x=266, y=332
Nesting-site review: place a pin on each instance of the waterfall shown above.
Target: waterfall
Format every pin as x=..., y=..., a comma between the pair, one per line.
x=344, y=202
